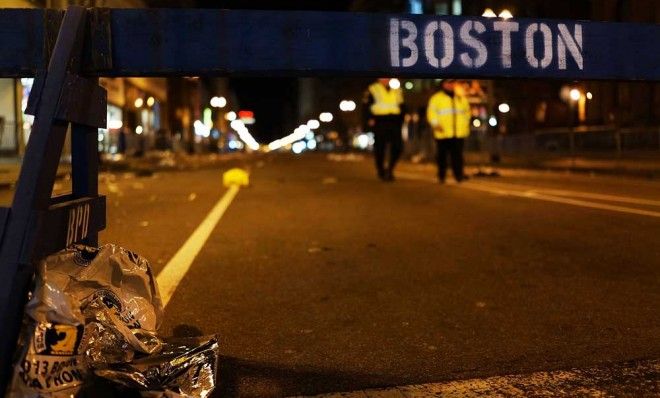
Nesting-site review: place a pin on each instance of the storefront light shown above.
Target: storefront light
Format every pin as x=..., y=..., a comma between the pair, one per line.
x=139, y=102
x=151, y=101
x=115, y=124
x=575, y=94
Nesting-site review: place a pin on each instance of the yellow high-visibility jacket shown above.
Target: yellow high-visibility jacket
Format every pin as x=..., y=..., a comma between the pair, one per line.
x=386, y=102
x=449, y=116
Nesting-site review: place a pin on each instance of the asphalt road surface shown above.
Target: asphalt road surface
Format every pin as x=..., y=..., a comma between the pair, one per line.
x=320, y=278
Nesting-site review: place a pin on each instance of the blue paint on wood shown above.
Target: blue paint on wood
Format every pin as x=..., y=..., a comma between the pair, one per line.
x=160, y=42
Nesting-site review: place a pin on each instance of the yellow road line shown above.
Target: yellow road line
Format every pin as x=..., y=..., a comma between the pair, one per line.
x=171, y=275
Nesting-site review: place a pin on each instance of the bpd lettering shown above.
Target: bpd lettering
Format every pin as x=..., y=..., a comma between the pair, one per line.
x=78, y=224
x=441, y=44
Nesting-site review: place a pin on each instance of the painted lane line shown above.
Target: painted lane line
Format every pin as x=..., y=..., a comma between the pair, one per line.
x=171, y=275
x=568, y=201
x=484, y=187
x=577, y=194
x=553, y=192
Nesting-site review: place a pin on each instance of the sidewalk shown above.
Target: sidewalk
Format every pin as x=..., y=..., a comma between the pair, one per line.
x=640, y=165
x=146, y=165
x=636, y=378
x=10, y=168
x=9, y=174
x=156, y=161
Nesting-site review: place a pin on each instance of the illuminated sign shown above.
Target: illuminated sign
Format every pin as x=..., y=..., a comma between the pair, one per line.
x=247, y=117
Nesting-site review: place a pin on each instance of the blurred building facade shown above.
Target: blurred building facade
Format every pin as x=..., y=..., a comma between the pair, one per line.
x=138, y=115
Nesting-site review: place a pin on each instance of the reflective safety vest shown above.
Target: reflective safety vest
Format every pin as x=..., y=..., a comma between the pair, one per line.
x=386, y=102
x=449, y=116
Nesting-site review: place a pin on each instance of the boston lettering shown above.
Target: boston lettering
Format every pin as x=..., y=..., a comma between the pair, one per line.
x=471, y=44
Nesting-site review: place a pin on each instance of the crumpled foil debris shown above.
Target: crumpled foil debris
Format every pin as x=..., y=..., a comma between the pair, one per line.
x=95, y=312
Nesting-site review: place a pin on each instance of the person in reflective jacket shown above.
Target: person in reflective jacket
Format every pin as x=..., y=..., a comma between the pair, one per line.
x=383, y=111
x=448, y=113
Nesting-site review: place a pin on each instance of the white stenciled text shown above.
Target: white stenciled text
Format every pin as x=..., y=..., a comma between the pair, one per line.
x=473, y=43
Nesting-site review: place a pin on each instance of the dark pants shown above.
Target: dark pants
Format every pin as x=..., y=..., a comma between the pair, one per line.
x=387, y=136
x=454, y=148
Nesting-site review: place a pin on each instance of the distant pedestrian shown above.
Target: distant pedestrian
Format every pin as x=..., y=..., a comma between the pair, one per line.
x=448, y=114
x=383, y=111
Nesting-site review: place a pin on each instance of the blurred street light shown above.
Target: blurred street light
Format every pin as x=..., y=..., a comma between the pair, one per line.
x=244, y=134
x=311, y=144
x=201, y=129
x=237, y=125
x=394, y=84
x=476, y=123
x=409, y=85
x=326, y=117
x=347, y=105
x=139, y=130
x=150, y=101
x=313, y=124
x=504, y=107
x=575, y=94
x=505, y=14
x=230, y=116
x=218, y=102
x=589, y=95
x=492, y=121
x=298, y=147
x=489, y=13
x=139, y=102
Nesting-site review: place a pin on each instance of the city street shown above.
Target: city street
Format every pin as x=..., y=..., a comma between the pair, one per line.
x=320, y=278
